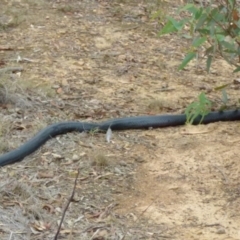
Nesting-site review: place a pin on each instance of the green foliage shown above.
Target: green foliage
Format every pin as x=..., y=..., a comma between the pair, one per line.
x=203, y=106
x=199, y=108
x=214, y=28
x=93, y=131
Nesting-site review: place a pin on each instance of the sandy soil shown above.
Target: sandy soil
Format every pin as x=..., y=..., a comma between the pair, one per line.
x=94, y=60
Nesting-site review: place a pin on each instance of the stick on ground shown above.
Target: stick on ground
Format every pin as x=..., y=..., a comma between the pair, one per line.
x=67, y=206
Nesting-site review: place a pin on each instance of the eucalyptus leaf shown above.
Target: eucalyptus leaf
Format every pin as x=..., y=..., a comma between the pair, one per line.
x=168, y=28
x=187, y=59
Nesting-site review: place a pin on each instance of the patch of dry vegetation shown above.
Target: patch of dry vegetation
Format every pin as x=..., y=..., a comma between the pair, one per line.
x=100, y=160
x=158, y=105
x=71, y=53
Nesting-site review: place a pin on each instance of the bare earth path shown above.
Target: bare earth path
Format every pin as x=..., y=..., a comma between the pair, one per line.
x=93, y=60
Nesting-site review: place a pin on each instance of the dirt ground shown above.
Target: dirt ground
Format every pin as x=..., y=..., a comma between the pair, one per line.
x=93, y=60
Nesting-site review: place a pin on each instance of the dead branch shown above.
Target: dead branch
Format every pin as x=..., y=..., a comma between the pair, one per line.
x=67, y=206
x=11, y=69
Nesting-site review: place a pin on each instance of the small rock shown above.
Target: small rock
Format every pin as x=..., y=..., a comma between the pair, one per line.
x=57, y=156
x=139, y=159
x=122, y=163
x=221, y=231
x=75, y=157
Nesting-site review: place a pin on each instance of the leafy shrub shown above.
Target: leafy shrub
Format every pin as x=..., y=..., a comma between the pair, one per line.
x=214, y=28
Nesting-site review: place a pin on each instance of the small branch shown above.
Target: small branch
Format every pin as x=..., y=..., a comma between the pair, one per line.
x=146, y=208
x=6, y=48
x=67, y=206
x=11, y=69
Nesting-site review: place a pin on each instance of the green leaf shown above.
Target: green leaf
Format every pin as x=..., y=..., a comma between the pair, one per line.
x=220, y=37
x=187, y=36
x=200, y=108
x=233, y=52
x=209, y=62
x=217, y=16
x=229, y=46
x=168, y=28
x=201, y=21
x=199, y=41
x=198, y=14
x=187, y=59
x=232, y=3
x=190, y=8
x=236, y=70
x=212, y=29
x=204, y=31
x=224, y=96
x=177, y=24
x=221, y=87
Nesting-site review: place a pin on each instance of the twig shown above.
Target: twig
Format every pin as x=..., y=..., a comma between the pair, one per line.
x=107, y=210
x=6, y=48
x=27, y=60
x=146, y=208
x=67, y=206
x=11, y=69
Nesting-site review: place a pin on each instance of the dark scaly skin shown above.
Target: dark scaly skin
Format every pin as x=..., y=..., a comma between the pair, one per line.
x=141, y=122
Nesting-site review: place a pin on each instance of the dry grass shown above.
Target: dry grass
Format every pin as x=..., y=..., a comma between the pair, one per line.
x=158, y=105
x=137, y=186
x=66, y=9
x=100, y=160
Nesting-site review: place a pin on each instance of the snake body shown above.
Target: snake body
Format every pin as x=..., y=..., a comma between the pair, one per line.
x=141, y=122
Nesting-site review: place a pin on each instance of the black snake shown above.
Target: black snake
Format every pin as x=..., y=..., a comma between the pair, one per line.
x=141, y=122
